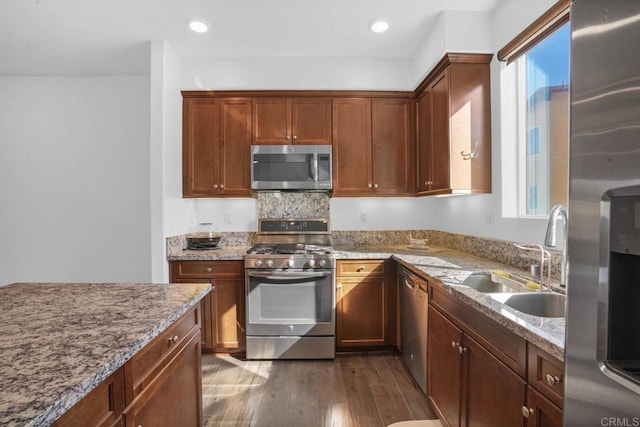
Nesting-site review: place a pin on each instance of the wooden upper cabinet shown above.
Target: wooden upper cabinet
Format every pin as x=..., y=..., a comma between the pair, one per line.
x=200, y=145
x=392, y=146
x=216, y=147
x=351, y=146
x=235, y=147
x=291, y=121
x=454, y=126
x=372, y=147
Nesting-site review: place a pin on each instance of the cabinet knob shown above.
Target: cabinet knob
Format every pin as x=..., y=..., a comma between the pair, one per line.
x=527, y=412
x=360, y=268
x=221, y=185
x=461, y=349
x=369, y=185
x=209, y=269
x=215, y=185
x=173, y=339
x=288, y=137
x=454, y=344
x=295, y=137
x=552, y=380
x=375, y=185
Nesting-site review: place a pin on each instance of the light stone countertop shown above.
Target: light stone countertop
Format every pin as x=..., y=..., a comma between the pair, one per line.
x=450, y=267
x=61, y=340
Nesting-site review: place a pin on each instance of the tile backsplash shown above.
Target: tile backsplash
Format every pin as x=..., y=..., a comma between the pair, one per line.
x=292, y=204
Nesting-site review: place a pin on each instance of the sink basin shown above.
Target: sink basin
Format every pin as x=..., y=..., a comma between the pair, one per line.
x=543, y=304
x=483, y=283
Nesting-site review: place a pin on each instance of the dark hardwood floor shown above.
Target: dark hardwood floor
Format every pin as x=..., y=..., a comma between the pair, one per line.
x=354, y=390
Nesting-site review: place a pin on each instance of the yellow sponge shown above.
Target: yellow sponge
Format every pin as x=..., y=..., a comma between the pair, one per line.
x=501, y=273
x=532, y=285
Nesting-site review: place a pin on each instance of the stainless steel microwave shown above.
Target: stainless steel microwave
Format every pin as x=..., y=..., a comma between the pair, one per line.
x=291, y=167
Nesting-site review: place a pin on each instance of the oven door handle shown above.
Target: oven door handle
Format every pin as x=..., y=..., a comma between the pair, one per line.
x=288, y=276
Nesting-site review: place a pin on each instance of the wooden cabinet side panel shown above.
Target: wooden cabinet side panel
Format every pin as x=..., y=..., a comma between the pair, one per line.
x=444, y=367
x=311, y=121
x=174, y=397
x=392, y=146
x=200, y=141
x=235, y=147
x=271, y=121
x=471, y=126
x=351, y=147
x=440, y=132
x=492, y=392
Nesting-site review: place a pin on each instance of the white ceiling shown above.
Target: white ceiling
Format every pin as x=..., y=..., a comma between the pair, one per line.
x=58, y=37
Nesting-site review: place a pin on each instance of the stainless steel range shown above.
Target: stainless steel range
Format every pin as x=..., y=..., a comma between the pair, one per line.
x=290, y=284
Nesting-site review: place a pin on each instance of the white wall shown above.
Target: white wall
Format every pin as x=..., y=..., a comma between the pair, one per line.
x=74, y=179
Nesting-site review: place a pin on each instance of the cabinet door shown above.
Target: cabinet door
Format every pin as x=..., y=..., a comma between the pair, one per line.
x=361, y=314
x=493, y=393
x=200, y=145
x=235, y=147
x=351, y=147
x=424, y=146
x=311, y=121
x=440, y=132
x=392, y=148
x=444, y=367
x=229, y=315
x=541, y=412
x=174, y=397
x=271, y=121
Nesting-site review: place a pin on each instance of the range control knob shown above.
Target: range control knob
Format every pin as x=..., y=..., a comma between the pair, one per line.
x=258, y=263
x=269, y=263
x=322, y=262
x=291, y=263
x=311, y=263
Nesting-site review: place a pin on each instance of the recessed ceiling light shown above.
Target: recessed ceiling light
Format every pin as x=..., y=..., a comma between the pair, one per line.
x=198, y=26
x=378, y=25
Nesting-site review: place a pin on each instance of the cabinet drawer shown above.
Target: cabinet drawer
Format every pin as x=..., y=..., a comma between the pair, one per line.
x=145, y=365
x=546, y=374
x=361, y=268
x=187, y=269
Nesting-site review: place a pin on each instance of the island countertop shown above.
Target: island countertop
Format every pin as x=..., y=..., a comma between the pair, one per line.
x=61, y=340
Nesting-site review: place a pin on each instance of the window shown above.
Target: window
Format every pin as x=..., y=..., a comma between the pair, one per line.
x=538, y=73
x=543, y=109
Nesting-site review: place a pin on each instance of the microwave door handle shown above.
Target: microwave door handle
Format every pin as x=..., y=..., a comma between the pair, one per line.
x=314, y=166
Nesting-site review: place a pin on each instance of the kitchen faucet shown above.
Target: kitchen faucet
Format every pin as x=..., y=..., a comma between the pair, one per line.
x=550, y=238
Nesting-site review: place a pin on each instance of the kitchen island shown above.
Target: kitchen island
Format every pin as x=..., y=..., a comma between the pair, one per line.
x=62, y=340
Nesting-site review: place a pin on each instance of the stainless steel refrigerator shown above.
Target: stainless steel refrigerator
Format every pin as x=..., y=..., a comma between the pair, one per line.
x=602, y=352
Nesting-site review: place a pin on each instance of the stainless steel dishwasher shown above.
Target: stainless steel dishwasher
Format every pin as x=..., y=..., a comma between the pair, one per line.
x=413, y=324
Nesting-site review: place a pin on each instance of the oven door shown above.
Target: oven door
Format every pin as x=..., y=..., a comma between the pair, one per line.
x=290, y=303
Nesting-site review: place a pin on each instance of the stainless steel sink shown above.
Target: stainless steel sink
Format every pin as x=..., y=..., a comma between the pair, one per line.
x=542, y=304
x=483, y=283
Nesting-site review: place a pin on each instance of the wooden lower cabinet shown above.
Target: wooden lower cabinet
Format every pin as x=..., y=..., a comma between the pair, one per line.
x=365, y=303
x=173, y=397
x=540, y=411
x=223, y=310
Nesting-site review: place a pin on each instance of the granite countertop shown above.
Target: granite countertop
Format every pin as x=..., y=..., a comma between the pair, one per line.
x=61, y=340
x=450, y=267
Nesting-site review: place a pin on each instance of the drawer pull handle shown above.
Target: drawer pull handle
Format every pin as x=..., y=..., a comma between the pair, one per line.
x=527, y=412
x=553, y=380
x=173, y=339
